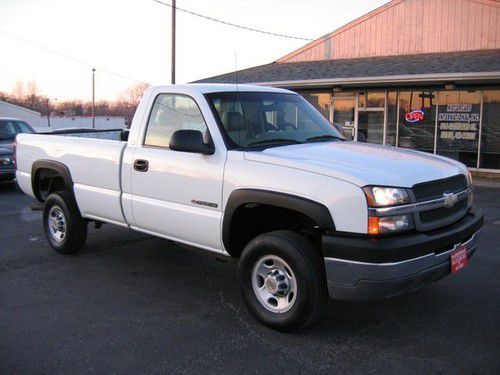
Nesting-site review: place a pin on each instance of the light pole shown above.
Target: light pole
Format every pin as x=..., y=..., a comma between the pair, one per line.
x=93, y=98
x=48, y=112
x=172, y=79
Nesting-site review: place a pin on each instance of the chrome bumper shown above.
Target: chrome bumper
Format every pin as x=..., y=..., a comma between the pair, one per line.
x=355, y=280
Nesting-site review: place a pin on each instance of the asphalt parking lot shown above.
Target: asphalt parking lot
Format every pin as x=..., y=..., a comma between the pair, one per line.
x=132, y=303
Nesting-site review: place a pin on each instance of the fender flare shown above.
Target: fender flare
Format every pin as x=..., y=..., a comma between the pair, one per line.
x=59, y=167
x=318, y=212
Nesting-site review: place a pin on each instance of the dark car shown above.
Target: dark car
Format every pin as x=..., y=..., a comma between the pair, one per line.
x=9, y=128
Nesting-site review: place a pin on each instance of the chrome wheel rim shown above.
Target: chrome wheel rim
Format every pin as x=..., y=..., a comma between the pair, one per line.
x=57, y=224
x=274, y=284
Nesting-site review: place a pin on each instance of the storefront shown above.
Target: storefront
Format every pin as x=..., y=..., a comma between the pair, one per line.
x=417, y=74
x=459, y=124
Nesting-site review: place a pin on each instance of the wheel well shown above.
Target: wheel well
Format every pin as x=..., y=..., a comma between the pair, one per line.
x=46, y=181
x=252, y=219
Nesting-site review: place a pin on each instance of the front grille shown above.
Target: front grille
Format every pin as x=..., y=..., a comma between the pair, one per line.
x=442, y=213
x=435, y=189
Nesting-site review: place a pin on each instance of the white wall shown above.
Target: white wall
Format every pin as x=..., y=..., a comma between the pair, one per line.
x=10, y=110
x=101, y=122
x=39, y=122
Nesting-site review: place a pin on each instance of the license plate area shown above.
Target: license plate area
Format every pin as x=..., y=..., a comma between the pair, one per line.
x=458, y=259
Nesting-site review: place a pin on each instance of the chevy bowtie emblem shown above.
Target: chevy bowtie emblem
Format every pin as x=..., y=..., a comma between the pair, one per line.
x=450, y=199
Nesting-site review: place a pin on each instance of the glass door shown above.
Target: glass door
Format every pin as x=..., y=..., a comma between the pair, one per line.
x=371, y=126
x=371, y=117
x=343, y=115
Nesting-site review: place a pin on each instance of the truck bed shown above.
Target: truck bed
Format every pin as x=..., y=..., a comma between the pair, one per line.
x=94, y=165
x=111, y=134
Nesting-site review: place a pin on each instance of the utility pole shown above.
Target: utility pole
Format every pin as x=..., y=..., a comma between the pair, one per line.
x=172, y=79
x=93, y=98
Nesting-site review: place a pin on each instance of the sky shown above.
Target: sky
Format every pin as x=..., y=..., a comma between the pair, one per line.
x=132, y=39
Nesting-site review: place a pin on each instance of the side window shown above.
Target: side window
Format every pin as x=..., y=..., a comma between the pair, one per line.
x=170, y=113
x=7, y=128
x=22, y=127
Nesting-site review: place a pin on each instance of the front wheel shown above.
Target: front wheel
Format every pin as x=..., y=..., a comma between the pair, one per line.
x=283, y=280
x=65, y=229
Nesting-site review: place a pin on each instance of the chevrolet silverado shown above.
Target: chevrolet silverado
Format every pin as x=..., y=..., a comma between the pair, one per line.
x=258, y=174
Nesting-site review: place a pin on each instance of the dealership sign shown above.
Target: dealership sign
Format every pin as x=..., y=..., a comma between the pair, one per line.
x=459, y=122
x=414, y=116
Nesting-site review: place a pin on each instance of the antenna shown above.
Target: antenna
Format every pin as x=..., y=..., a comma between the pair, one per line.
x=236, y=68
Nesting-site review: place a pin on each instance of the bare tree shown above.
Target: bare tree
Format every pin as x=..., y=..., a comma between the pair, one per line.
x=32, y=98
x=70, y=108
x=133, y=94
x=19, y=90
x=33, y=88
x=28, y=96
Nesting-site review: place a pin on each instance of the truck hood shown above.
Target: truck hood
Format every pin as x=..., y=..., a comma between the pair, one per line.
x=361, y=163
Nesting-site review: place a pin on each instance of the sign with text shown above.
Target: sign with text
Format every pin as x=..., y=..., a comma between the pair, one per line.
x=458, y=122
x=414, y=116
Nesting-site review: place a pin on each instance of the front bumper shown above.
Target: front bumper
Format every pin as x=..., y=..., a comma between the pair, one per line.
x=375, y=268
x=7, y=174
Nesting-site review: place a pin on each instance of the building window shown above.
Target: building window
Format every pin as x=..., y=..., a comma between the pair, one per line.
x=458, y=125
x=417, y=120
x=490, y=131
x=392, y=113
x=322, y=101
x=375, y=100
x=371, y=100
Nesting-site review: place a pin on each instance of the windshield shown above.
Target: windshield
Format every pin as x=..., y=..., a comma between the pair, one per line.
x=10, y=128
x=262, y=119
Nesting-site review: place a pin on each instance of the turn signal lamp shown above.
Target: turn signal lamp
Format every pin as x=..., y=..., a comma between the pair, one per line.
x=373, y=227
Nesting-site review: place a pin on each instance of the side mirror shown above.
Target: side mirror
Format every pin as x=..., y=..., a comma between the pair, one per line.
x=124, y=135
x=190, y=141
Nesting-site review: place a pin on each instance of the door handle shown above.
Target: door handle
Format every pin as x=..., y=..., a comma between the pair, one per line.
x=141, y=165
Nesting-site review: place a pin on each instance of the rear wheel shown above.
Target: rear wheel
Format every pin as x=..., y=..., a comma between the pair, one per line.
x=65, y=229
x=283, y=280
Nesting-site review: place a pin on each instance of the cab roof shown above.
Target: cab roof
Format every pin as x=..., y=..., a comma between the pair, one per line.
x=206, y=88
x=11, y=119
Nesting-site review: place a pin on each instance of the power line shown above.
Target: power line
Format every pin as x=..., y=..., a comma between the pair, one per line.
x=233, y=24
x=69, y=57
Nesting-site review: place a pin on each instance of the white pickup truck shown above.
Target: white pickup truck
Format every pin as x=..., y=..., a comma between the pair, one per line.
x=256, y=173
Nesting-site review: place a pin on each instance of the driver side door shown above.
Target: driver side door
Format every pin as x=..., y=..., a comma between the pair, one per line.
x=177, y=194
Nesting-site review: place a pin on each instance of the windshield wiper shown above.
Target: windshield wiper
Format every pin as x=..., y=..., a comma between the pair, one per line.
x=273, y=140
x=324, y=137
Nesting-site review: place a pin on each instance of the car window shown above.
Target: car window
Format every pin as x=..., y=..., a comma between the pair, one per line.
x=169, y=114
x=252, y=119
x=7, y=129
x=22, y=127
x=10, y=128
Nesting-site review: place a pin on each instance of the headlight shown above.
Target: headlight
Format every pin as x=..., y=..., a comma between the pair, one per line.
x=380, y=196
x=385, y=196
x=469, y=178
x=389, y=224
x=5, y=159
x=469, y=185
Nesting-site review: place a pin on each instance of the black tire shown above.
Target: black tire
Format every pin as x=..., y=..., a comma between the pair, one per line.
x=75, y=226
x=307, y=265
